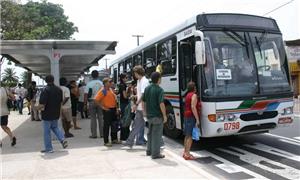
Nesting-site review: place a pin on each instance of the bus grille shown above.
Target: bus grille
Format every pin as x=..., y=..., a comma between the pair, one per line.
x=258, y=127
x=257, y=116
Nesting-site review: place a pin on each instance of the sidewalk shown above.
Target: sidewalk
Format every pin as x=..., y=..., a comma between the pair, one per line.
x=84, y=158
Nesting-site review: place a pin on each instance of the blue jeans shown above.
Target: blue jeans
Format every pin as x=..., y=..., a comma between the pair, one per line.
x=141, y=138
x=48, y=126
x=20, y=105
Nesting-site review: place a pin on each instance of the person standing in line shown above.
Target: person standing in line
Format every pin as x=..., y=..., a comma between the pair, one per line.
x=21, y=94
x=124, y=101
x=96, y=114
x=81, y=109
x=32, y=91
x=50, y=104
x=139, y=122
x=4, y=112
x=155, y=111
x=107, y=99
x=66, y=108
x=74, y=101
x=191, y=119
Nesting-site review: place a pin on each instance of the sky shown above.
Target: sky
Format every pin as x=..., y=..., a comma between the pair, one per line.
x=118, y=20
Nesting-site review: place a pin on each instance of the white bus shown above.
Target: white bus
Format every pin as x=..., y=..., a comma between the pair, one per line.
x=239, y=64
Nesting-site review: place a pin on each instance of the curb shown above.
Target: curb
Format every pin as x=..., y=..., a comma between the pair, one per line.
x=190, y=165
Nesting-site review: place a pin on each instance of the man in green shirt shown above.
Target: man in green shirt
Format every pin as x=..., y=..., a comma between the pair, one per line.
x=155, y=111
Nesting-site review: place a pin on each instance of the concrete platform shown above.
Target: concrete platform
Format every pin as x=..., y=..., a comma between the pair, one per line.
x=84, y=158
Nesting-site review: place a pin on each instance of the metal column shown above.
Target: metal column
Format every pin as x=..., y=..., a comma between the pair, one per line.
x=54, y=57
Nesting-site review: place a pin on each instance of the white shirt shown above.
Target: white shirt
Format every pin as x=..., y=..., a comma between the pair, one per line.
x=3, y=99
x=140, y=88
x=21, y=92
x=66, y=94
x=95, y=85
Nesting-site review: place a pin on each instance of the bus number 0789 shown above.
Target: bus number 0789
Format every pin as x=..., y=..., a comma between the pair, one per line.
x=231, y=125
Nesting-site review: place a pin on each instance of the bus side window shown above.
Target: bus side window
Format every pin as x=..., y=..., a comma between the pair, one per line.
x=128, y=67
x=121, y=67
x=166, y=53
x=137, y=59
x=150, y=60
x=115, y=75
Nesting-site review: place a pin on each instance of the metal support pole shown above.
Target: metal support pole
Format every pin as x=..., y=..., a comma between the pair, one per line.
x=138, y=38
x=54, y=65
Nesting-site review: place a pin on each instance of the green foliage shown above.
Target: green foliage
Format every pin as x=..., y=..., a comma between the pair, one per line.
x=35, y=21
x=9, y=77
x=24, y=78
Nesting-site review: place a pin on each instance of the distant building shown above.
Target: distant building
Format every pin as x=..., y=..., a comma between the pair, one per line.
x=293, y=50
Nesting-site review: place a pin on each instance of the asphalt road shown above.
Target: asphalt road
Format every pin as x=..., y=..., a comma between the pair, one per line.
x=273, y=155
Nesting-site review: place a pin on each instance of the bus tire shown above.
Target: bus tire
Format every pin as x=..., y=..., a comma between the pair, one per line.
x=170, y=129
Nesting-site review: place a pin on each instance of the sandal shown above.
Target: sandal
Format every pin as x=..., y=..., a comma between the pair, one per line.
x=188, y=157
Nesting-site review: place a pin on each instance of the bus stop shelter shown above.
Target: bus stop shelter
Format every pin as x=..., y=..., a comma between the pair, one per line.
x=61, y=58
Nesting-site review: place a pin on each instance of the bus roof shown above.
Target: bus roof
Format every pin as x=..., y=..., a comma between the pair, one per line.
x=180, y=27
x=217, y=20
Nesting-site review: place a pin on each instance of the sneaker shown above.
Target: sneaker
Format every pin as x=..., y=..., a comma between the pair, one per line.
x=14, y=141
x=108, y=144
x=148, y=153
x=93, y=137
x=160, y=156
x=69, y=135
x=77, y=127
x=64, y=144
x=116, y=142
x=47, y=151
x=128, y=145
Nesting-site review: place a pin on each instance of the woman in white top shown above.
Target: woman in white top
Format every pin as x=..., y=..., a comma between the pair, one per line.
x=4, y=112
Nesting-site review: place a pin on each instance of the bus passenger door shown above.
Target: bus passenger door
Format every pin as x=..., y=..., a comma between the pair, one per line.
x=186, y=59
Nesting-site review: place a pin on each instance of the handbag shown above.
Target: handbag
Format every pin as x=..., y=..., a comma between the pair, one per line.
x=9, y=102
x=196, y=134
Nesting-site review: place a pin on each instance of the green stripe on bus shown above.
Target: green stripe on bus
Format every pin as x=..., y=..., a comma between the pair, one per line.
x=246, y=104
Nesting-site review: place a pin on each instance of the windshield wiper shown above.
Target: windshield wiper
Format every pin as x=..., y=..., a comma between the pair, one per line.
x=234, y=35
x=258, y=45
x=259, y=41
x=238, y=38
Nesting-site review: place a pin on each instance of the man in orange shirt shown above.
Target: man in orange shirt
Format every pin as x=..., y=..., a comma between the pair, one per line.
x=107, y=100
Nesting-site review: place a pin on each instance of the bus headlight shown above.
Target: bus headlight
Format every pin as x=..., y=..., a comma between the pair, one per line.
x=220, y=117
x=231, y=117
x=288, y=110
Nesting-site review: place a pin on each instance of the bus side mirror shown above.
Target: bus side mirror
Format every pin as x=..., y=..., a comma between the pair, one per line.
x=199, y=47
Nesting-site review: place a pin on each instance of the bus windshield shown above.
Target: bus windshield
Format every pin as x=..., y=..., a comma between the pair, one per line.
x=232, y=68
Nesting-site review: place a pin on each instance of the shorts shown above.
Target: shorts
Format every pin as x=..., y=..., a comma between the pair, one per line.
x=66, y=114
x=4, y=120
x=189, y=124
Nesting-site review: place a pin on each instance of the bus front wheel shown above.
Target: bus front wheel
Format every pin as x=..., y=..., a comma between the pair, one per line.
x=170, y=129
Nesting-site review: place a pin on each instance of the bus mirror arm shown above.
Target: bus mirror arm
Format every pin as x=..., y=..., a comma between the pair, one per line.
x=199, y=47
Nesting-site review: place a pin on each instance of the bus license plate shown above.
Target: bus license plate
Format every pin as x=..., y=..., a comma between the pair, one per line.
x=231, y=126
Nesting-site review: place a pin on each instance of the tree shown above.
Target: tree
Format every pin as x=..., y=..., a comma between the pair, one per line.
x=34, y=20
x=24, y=78
x=10, y=78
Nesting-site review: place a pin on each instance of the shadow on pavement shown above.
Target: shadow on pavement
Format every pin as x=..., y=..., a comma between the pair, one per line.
x=30, y=138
